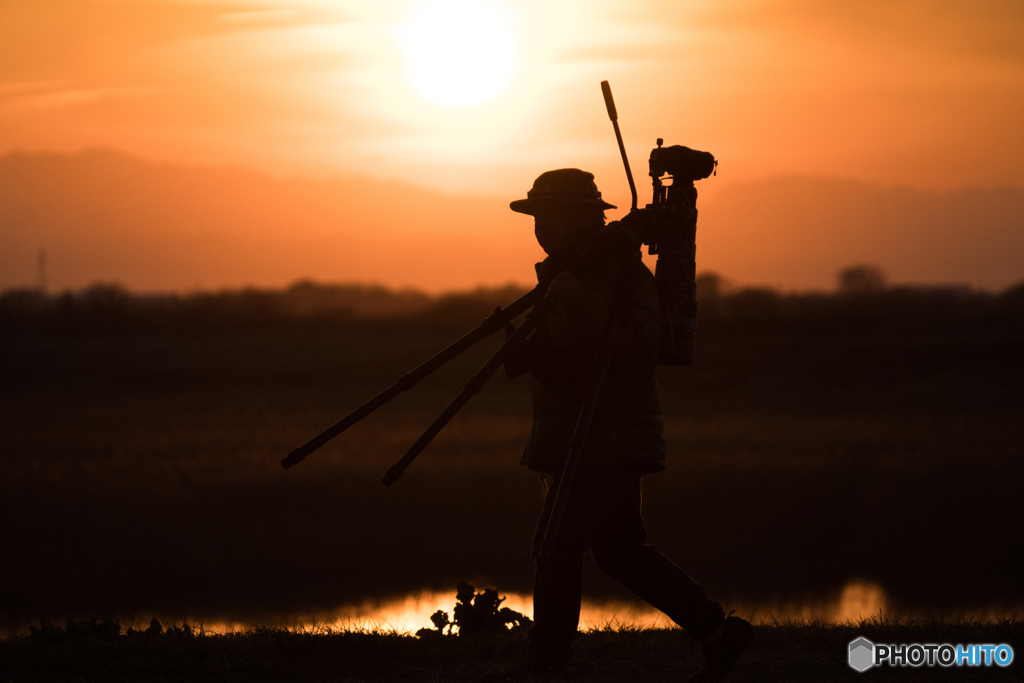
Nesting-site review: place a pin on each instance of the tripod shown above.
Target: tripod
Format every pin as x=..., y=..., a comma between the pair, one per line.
x=501, y=319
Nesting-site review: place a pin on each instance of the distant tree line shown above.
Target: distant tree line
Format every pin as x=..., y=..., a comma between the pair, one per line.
x=861, y=290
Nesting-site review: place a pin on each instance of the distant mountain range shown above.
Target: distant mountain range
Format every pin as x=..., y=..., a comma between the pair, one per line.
x=799, y=231
x=102, y=216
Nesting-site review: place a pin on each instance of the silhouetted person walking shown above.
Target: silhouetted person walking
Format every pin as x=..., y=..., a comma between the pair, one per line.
x=625, y=442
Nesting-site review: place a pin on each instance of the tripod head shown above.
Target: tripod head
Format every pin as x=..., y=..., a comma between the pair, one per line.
x=681, y=163
x=673, y=207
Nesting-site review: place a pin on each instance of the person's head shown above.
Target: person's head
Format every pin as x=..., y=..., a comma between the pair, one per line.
x=565, y=206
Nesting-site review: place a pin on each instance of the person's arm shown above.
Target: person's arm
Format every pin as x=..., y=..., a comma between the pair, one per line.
x=578, y=317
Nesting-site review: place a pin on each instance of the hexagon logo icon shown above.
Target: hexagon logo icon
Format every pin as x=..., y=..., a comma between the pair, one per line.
x=862, y=654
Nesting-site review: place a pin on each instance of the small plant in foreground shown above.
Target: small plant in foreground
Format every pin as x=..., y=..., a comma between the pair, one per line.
x=476, y=613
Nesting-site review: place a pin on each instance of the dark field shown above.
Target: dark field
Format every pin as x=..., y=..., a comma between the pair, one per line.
x=818, y=440
x=780, y=653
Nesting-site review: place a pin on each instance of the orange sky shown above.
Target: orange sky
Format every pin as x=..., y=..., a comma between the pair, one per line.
x=926, y=93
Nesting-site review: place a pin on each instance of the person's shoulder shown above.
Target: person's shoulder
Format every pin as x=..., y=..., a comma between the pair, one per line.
x=636, y=268
x=646, y=286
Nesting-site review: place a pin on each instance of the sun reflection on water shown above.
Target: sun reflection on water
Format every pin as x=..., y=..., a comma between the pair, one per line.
x=856, y=601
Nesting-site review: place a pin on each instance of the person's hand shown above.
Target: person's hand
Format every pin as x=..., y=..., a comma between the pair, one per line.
x=565, y=290
x=639, y=224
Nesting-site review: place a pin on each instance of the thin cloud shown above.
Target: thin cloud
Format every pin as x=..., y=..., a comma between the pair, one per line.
x=56, y=94
x=257, y=17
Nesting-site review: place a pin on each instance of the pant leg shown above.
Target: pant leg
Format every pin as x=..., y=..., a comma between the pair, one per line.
x=558, y=583
x=621, y=551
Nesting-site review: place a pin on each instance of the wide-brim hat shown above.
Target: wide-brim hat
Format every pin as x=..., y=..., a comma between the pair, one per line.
x=561, y=186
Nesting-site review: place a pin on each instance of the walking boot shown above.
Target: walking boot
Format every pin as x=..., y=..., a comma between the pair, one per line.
x=721, y=653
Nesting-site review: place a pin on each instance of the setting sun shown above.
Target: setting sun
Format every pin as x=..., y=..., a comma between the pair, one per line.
x=457, y=53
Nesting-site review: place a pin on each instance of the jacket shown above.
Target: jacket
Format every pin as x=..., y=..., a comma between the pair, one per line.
x=627, y=432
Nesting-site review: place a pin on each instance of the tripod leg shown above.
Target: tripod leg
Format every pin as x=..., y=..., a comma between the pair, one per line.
x=475, y=383
x=602, y=362
x=500, y=319
x=576, y=446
